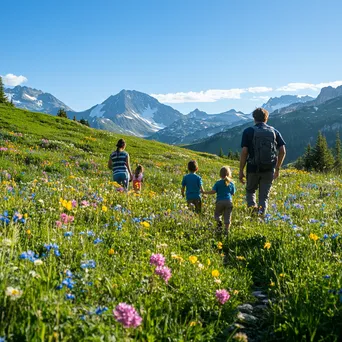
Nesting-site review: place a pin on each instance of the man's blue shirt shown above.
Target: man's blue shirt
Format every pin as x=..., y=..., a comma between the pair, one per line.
x=247, y=141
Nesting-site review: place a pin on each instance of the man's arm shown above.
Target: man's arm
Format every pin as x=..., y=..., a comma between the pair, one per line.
x=281, y=157
x=243, y=160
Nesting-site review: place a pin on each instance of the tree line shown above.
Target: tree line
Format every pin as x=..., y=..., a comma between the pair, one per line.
x=321, y=158
x=63, y=114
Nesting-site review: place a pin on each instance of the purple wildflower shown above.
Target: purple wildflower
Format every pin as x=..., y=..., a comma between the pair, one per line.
x=127, y=315
x=222, y=296
x=164, y=272
x=157, y=260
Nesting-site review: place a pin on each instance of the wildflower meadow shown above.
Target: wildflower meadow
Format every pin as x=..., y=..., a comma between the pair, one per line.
x=82, y=260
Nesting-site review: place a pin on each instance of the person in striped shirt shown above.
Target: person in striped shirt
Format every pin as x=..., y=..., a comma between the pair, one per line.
x=120, y=165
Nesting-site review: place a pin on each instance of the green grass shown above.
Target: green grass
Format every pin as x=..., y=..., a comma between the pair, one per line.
x=301, y=276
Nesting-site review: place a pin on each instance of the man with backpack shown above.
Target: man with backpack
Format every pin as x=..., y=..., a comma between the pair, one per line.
x=263, y=149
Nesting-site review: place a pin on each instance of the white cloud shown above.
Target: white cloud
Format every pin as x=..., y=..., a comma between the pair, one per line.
x=260, y=98
x=211, y=95
x=13, y=80
x=293, y=87
x=259, y=89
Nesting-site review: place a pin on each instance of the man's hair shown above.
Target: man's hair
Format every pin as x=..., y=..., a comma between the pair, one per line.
x=260, y=115
x=192, y=166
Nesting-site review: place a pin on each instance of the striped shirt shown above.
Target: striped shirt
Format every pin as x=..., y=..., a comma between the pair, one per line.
x=119, y=160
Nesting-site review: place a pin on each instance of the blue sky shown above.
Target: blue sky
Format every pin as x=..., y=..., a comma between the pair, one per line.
x=214, y=55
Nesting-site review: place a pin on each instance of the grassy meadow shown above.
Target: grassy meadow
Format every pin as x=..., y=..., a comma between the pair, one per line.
x=72, y=247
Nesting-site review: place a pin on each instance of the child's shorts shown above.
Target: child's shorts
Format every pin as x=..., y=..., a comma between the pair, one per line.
x=196, y=204
x=225, y=208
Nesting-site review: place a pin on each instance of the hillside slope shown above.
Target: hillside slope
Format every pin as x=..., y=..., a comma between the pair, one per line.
x=298, y=129
x=74, y=247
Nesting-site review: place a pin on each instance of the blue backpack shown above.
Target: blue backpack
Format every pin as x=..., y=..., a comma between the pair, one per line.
x=265, y=147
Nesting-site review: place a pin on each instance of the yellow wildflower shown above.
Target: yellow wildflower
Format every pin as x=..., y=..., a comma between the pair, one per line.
x=104, y=209
x=267, y=245
x=215, y=273
x=282, y=275
x=241, y=258
x=28, y=231
x=193, y=259
x=145, y=224
x=208, y=262
x=313, y=237
x=193, y=323
x=111, y=251
x=219, y=245
x=272, y=283
x=236, y=292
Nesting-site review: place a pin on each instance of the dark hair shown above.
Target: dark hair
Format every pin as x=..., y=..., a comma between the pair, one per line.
x=120, y=144
x=192, y=166
x=138, y=170
x=260, y=115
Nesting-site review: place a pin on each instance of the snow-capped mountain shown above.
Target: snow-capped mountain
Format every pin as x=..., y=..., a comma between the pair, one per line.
x=199, y=125
x=35, y=100
x=130, y=112
x=276, y=103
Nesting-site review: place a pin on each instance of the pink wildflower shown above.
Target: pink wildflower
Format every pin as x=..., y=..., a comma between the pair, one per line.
x=157, y=260
x=74, y=203
x=65, y=218
x=127, y=315
x=58, y=224
x=85, y=203
x=164, y=272
x=222, y=296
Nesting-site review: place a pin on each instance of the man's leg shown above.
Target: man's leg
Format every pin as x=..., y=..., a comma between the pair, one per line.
x=265, y=184
x=251, y=188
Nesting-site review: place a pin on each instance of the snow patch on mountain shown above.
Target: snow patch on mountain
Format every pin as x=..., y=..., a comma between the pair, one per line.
x=97, y=112
x=30, y=98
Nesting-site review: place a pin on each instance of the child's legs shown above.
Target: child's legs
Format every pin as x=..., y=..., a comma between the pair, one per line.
x=218, y=211
x=195, y=204
x=228, y=208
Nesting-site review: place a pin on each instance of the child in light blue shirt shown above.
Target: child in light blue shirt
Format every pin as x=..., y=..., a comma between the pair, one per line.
x=224, y=190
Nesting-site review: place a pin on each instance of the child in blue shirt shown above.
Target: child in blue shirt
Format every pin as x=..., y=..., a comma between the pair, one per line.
x=224, y=190
x=194, y=187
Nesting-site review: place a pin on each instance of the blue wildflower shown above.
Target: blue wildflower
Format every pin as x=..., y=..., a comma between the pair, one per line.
x=99, y=310
x=98, y=240
x=69, y=296
x=67, y=234
x=29, y=255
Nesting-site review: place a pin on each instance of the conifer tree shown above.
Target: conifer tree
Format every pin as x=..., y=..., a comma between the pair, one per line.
x=308, y=158
x=323, y=160
x=74, y=118
x=230, y=154
x=338, y=156
x=236, y=156
x=221, y=154
x=62, y=113
x=3, y=98
x=82, y=121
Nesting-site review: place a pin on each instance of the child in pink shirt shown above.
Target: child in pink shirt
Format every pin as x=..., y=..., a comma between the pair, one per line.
x=138, y=178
